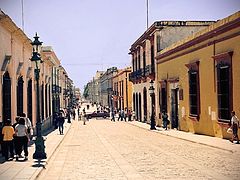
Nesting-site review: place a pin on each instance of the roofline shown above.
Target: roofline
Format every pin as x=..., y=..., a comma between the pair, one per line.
x=201, y=36
x=158, y=25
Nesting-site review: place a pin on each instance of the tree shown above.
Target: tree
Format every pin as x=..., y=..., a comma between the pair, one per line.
x=86, y=92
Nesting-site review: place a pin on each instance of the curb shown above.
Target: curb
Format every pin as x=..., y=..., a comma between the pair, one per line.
x=39, y=171
x=157, y=131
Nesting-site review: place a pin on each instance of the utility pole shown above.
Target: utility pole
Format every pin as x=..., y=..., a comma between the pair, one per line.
x=147, y=14
x=22, y=16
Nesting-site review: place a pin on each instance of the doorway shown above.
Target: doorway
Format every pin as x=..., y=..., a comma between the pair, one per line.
x=29, y=99
x=145, y=104
x=6, y=97
x=20, y=96
x=174, y=108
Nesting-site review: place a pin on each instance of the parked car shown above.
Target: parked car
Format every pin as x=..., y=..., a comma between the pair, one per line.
x=97, y=114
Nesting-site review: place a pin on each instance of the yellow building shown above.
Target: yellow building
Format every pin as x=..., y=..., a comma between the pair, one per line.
x=158, y=36
x=199, y=79
x=122, y=89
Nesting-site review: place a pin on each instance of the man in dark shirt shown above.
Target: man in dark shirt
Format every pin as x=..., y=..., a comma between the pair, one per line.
x=60, y=123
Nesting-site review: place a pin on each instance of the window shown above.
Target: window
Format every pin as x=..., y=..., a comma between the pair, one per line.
x=139, y=62
x=158, y=43
x=133, y=63
x=144, y=62
x=152, y=60
x=194, y=94
x=163, y=96
x=224, y=85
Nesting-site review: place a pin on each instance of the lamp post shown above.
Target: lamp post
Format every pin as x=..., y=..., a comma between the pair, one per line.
x=151, y=92
x=39, y=141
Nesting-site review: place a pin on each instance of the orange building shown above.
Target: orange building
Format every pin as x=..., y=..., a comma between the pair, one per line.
x=122, y=90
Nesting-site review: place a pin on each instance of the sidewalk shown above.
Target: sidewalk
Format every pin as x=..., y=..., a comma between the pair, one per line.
x=31, y=168
x=214, y=142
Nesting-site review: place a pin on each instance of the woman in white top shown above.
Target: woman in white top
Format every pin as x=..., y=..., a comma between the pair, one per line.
x=235, y=125
x=21, y=138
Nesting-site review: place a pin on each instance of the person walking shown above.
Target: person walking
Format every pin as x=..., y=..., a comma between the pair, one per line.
x=122, y=114
x=134, y=115
x=113, y=116
x=8, y=133
x=234, y=126
x=22, y=138
x=125, y=114
x=165, y=119
x=61, y=121
x=119, y=114
x=84, y=117
x=28, y=123
x=15, y=140
x=129, y=115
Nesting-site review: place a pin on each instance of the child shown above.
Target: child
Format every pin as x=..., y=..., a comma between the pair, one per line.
x=8, y=133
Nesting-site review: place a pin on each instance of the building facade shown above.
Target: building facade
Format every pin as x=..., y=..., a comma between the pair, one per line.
x=18, y=84
x=144, y=50
x=17, y=72
x=199, y=79
x=106, y=86
x=94, y=88
x=122, y=90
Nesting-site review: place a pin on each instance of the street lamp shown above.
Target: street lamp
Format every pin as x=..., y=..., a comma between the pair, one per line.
x=151, y=92
x=39, y=141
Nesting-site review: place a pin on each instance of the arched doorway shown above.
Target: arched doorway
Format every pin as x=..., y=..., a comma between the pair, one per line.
x=6, y=98
x=42, y=101
x=29, y=99
x=20, y=96
x=49, y=99
x=144, y=104
x=46, y=100
x=139, y=107
x=134, y=102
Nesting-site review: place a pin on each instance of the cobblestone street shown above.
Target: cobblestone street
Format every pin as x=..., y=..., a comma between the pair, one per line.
x=118, y=150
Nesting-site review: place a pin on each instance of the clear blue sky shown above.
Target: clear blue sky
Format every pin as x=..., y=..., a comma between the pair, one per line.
x=91, y=35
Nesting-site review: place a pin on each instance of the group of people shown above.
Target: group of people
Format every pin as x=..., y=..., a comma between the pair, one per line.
x=122, y=115
x=16, y=137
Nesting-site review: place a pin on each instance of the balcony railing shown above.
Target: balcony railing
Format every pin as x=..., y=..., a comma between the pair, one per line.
x=144, y=72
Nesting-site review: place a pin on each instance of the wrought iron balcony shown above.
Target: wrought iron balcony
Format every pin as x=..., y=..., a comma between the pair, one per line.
x=133, y=76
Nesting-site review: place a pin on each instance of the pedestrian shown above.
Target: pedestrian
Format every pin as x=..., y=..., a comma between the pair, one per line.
x=122, y=114
x=61, y=121
x=113, y=116
x=165, y=119
x=234, y=126
x=129, y=115
x=84, y=117
x=78, y=113
x=69, y=116
x=22, y=138
x=125, y=114
x=28, y=123
x=15, y=140
x=55, y=120
x=73, y=113
x=80, y=116
x=134, y=115
x=8, y=133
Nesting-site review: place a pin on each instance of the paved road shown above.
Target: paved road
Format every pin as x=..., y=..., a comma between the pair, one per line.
x=117, y=150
